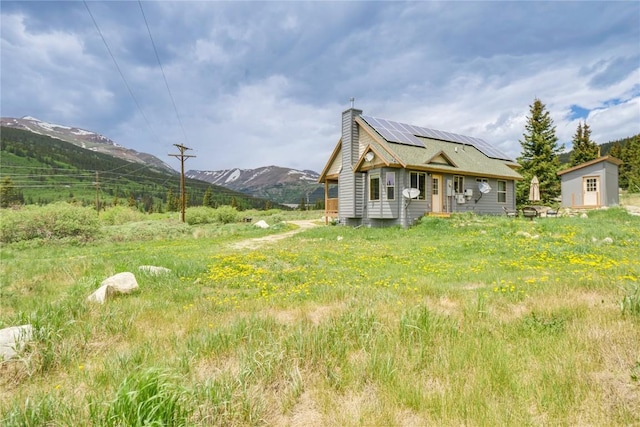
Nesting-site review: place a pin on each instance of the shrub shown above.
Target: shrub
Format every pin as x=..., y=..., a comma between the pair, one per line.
x=200, y=215
x=227, y=214
x=54, y=221
x=206, y=215
x=118, y=215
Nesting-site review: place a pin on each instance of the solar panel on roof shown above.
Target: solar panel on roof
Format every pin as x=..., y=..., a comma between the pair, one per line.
x=406, y=134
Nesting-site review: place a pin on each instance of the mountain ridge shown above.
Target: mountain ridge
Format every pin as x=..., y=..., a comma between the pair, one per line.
x=276, y=183
x=86, y=139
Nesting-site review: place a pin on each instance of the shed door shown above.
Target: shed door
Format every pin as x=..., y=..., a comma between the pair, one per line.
x=591, y=191
x=436, y=193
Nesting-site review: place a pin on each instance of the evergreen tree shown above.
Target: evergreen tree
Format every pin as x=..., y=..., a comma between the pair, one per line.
x=147, y=204
x=616, y=151
x=207, y=199
x=9, y=195
x=173, y=202
x=630, y=169
x=539, y=157
x=132, y=200
x=583, y=148
x=303, y=206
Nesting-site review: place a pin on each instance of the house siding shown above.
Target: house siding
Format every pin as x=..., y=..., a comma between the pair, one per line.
x=335, y=167
x=383, y=208
x=414, y=209
x=485, y=204
x=611, y=196
x=365, y=140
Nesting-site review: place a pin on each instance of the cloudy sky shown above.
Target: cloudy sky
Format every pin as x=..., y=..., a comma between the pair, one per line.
x=250, y=84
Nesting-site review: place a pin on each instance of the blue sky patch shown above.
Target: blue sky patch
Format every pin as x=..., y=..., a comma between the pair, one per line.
x=577, y=112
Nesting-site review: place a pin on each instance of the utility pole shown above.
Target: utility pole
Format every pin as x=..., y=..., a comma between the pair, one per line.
x=97, y=194
x=182, y=158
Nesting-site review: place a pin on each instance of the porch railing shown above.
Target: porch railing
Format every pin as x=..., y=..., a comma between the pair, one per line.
x=330, y=209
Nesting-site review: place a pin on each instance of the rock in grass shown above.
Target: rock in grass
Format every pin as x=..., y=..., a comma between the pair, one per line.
x=152, y=269
x=121, y=283
x=13, y=339
x=261, y=224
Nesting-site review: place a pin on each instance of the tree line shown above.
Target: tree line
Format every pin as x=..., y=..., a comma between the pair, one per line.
x=38, y=169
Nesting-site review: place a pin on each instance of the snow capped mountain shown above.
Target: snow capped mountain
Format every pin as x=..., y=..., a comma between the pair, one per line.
x=281, y=185
x=84, y=138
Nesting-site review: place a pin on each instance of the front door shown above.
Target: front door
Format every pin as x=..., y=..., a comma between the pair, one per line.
x=591, y=191
x=436, y=193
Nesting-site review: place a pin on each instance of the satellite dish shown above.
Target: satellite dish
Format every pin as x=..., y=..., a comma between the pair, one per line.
x=369, y=156
x=410, y=193
x=484, y=187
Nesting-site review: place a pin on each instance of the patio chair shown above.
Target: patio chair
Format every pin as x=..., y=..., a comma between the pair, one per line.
x=511, y=213
x=529, y=212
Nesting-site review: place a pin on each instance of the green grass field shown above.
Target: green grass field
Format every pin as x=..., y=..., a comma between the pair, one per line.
x=461, y=321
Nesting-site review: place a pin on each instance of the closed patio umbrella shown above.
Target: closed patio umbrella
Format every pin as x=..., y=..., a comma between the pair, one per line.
x=534, y=190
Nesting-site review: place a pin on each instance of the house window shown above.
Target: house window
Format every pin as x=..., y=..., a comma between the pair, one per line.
x=374, y=188
x=502, y=191
x=391, y=185
x=592, y=184
x=458, y=184
x=418, y=180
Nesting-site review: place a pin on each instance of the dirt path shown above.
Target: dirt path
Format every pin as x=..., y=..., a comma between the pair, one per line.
x=260, y=241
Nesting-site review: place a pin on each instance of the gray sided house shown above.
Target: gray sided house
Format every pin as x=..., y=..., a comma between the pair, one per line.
x=591, y=184
x=390, y=173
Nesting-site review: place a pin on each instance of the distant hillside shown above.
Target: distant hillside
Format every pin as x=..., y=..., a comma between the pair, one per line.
x=85, y=139
x=279, y=184
x=46, y=169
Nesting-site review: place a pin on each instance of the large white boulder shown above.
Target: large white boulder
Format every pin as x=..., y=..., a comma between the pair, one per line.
x=261, y=224
x=13, y=339
x=121, y=283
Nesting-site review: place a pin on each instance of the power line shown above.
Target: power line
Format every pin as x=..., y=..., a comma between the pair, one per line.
x=163, y=74
x=118, y=68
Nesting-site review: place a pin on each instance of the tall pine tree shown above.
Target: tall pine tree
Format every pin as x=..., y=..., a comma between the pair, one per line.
x=207, y=199
x=583, y=148
x=539, y=157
